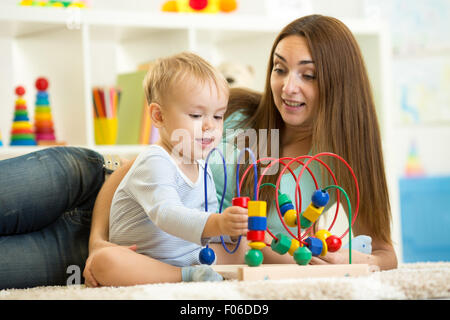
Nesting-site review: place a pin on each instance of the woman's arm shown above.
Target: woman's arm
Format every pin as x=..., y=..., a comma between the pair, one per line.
x=99, y=234
x=100, y=215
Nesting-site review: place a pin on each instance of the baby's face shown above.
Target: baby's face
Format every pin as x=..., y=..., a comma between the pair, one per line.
x=194, y=115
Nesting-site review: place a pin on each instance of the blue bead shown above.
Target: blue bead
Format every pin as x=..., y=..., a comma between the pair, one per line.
x=285, y=207
x=320, y=198
x=315, y=245
x=207, y=256
x=257, y=223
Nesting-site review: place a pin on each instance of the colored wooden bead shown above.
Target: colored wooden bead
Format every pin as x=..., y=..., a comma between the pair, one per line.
x=240, y=202
x=312, y=213
x=257, y=223
x=294, y=246
x=302, y=255
x=20, y=91
x=290, y=217
x=41, y=84
x=257, y=208
x=320, y=198
x=304, y=223
x=315, y=245
x=281, y=245
x=333, y=243
x=283, y=199
x=253, y=257
x=255, y=235
x=323, y=234
x=207, y=256
x=258, y=245
x=324, y=248
x=285, y=207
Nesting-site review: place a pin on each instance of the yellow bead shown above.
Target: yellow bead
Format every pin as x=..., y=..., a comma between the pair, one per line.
x=290, y=217
x=323, y=234
x=294, y=246
x=324, y=247
x=312, y=213
x=258, y=245
x=257, y=209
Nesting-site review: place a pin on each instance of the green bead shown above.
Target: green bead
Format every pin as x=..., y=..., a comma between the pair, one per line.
x=302, y=255
x=304, y=223
x=283, y=199
x=254, y=257
x=281, y=245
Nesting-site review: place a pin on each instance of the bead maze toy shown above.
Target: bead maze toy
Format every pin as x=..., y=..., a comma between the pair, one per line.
x=22, y=131
x=303, y=246
x=43, y=121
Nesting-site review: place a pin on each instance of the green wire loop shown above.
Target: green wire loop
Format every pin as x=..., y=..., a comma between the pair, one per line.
x=349, y=220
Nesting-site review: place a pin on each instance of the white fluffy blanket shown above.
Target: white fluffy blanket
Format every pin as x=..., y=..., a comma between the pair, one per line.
x=409, y=281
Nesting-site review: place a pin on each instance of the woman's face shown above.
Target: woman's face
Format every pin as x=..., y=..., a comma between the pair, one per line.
x=293, y=80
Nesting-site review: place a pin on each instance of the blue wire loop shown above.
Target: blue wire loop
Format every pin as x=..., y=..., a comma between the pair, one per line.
x=225, y=186
x=223, y=195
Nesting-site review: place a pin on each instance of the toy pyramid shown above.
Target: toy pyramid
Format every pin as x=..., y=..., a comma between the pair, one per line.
x=1, y=143
x=22, y=131
x=413, y=164
x=43, y=121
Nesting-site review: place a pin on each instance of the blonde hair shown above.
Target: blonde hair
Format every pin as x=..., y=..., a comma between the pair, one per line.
x=167, y=72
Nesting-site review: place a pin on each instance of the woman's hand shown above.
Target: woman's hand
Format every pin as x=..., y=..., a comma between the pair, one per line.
x=89, y=279
x=341, y=257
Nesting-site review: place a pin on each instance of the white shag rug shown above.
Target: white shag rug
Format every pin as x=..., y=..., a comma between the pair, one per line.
x=409, y=281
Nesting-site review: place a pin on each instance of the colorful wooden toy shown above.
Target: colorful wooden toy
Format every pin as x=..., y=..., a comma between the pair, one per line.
x=315, y=245
x=22, y=131
x=207, y=256
x=43, y=120
x=302, y=255
x=290, y=217
x=281, y=244
x=301, y=246
x=333, y=243
x=253, y=257
x=1, y=143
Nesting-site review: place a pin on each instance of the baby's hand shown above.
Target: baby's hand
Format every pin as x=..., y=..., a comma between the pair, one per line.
x=234, y=221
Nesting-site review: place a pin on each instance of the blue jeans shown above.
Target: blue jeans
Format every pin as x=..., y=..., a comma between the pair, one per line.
x=46, y=202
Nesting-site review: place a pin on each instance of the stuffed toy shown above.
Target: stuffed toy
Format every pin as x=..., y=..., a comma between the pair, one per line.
x=236, y=74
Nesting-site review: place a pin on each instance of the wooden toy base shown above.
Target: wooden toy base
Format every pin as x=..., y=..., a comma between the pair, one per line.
x=243, y=272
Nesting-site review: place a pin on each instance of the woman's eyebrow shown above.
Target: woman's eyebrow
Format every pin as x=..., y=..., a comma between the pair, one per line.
x=301, y=62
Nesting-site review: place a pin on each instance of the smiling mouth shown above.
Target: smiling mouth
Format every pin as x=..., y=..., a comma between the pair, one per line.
x=205, y=141
x=293, y=104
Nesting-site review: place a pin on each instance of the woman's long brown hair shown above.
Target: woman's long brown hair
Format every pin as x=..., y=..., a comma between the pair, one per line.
x=345, y=122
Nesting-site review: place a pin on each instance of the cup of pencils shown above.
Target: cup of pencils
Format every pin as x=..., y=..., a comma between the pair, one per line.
x=105, y=102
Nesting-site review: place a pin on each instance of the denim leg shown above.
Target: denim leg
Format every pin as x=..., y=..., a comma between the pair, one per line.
x=46, y=202
x=36, y=188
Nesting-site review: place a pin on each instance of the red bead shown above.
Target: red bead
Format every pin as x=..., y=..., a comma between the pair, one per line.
x=20, y=91
x=41, y=84
x=255, y=235
x=240, y=202
x=198, y=4
x=334, y=243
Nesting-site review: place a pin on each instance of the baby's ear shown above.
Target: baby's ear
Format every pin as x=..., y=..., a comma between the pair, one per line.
x=156, y=114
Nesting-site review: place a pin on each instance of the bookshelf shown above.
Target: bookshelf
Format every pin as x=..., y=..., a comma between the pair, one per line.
x=91, y=49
